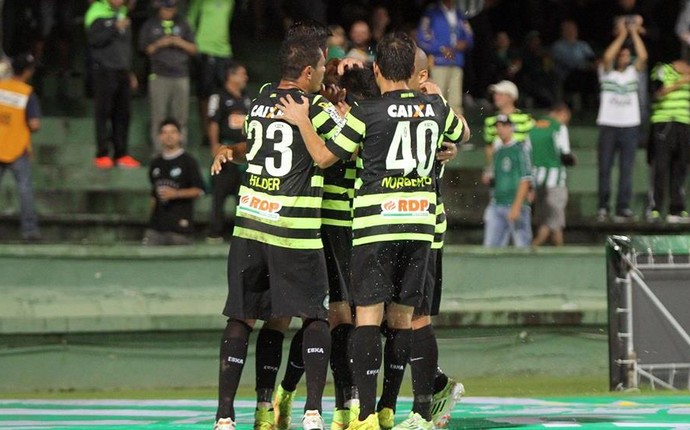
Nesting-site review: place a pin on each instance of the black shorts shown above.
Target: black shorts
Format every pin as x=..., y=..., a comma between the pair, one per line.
x=210, y=74
x=431, y=303
x=337, y=245
x=266, y=281
x=384, y=272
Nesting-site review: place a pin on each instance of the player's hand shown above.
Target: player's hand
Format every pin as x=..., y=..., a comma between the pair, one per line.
x=166, y=193
x=514, y=213
x=429, y=87
x=223, y=155
x=487, y=178
x=122, y=24
x=348, y=62
x=333, y=93
x=449, y=151
x=294, y=112
x=447, y=53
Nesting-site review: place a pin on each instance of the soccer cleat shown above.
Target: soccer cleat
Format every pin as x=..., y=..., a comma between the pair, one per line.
x=224, y=424
x=443, y=402
x=681, y=217
x=624, y=215
x=654, y=216
x=103, y=162
x=341, y=419
x=264, y=419
x=386, y=418
x=602, y=214
x=312, y=420
x=370, y=423
x=415, y=422
x=354, y=409
x=127, y=162
x=282, y=408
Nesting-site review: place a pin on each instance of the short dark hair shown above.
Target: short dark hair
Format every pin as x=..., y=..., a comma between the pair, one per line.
x=309, y=28
x=559, y=106
x=297, y=53
x=22, y=62
x=360, y=83
x=395, y=56
x=232, y=67
x=170, y=121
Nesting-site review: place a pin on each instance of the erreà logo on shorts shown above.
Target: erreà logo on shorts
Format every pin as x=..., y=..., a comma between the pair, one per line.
x=405, y=207
x=260, y=207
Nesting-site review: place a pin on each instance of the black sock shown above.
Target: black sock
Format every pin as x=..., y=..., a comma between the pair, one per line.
x=295, y=365
x=269, y=353
x=316, y=350
x=365, y=353
x=423, y=364
x=340, y=363
x=233, y=354
x=395, y=356
x=440, y=380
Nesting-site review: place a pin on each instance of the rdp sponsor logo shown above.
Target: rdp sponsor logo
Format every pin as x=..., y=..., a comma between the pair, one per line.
x=260, y=207
x=405, y=207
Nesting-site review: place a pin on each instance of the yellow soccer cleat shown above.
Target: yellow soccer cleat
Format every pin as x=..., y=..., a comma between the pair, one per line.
x=264, y=419
x=386, y=418
x=370, y=423
x=282, y=408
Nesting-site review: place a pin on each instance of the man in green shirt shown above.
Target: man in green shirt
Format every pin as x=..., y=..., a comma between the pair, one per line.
x=550, y=155
x=508, y=214
x=210, y=20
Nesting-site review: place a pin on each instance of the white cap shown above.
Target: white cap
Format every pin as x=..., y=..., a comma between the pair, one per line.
x=505, y=87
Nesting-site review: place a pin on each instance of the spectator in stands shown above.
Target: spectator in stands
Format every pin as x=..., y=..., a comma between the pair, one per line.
x=227, y=111
x=619, y=117
x=168, y=41
x=505, y=60
x=550, y=154
x=360, y=38
x=20, y=113
x=380, y=22
x=210, y=19
x=505, y=95
x=683, y=29
x=668, y=151
x=337, y=42
x=55, y=19
x=176, y=182
x=536, y=78
x=575, y=62
x=109, y=34
x=444, y=34
x=508, y=213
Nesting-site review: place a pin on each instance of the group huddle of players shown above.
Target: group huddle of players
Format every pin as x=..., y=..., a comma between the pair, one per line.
x=339, y=222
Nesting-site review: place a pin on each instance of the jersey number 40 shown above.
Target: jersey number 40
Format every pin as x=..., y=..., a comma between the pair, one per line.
x=401, y=155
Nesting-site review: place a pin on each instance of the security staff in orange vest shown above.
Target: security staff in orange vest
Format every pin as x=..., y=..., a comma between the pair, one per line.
x=19, y=117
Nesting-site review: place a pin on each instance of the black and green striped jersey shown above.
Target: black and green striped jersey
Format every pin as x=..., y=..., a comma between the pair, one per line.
x=522, y=124
x=280, y=198
x=338, y=192
x=441, y=224
x=674, y=106
x=397, y=135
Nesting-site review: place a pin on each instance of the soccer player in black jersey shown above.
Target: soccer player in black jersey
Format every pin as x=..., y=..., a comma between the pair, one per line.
x=227, y=111
x=396, y=137
x=276, y=265
x=424, y=346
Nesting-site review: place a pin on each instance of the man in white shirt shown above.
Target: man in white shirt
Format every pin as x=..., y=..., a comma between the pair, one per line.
x=619, y=117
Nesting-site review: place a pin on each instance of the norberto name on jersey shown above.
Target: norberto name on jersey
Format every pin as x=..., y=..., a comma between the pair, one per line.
x=410, y=111
x=395, y=183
